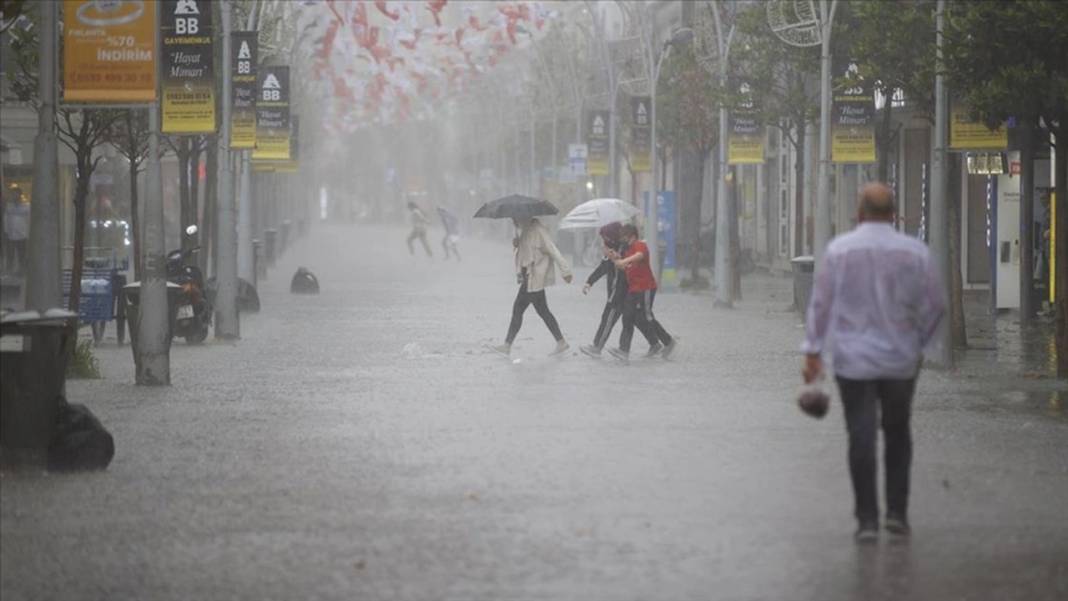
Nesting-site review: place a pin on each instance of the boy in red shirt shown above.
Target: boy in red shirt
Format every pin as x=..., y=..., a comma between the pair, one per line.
x=641, y=291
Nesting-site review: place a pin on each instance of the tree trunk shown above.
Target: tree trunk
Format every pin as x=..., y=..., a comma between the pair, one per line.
x=885, y=141
x=736, y=248
x=1027, y=218
x=183, y=191
x=699, y=188
x=1060, y=170
x=799, y=192
x=194, y=193
x=81, y=196
x=135, y=220
x=689, y=201
x=958, y=329
x=210, y=250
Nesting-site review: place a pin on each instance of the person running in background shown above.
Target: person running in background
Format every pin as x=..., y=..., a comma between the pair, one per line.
x=641, y=292
x=617, y=293
x=536, y=260
x=419, y=223
x=452, y=233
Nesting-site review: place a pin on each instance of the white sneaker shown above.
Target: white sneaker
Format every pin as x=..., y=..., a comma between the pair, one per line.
x=561, y=346
x=504, y=349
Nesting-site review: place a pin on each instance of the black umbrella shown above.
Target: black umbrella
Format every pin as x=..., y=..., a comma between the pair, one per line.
x=516, y=206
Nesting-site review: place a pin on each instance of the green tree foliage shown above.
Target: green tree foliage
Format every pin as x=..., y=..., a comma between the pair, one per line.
x=80, y=130
x=687, y=103
x=893, y=46
x=785, y=81
x=687, y=118
x=1010, y=59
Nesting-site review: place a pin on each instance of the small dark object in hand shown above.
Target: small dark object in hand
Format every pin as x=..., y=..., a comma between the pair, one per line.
x=814, y=402
x=304, y=282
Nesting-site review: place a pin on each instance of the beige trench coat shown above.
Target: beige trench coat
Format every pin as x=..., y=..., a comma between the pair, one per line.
x=536, y=252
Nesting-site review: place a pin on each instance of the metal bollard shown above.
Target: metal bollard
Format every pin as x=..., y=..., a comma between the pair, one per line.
x=283, y=238
x=259, y=265
x=271, y=238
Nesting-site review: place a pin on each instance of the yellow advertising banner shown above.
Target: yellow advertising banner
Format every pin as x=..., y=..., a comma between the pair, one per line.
x=640, y=149
x=745, y=149
x=853, y=123
x=272, y=114
x=109, y=51
x=243, y=113
x=597, y=142
x=745, y=138
x=188, y=67
x=966, y=134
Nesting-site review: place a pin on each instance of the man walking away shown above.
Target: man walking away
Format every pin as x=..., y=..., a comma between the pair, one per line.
x=641, y=292
x=452, y=233
x=536, y=256
x=876, y=302
x=617, y=293
x=419, y=223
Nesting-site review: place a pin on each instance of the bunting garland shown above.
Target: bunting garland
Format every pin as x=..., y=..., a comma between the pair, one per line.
x=399, y=60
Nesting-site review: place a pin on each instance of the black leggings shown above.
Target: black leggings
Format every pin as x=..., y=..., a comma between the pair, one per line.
x=523, y=300
x=638, y=311
x=612, y=312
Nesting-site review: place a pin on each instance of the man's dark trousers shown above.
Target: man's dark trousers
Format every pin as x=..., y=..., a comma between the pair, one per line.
x=864, y=401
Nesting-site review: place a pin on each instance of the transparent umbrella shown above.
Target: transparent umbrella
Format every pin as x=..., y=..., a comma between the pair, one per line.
x=597, y=213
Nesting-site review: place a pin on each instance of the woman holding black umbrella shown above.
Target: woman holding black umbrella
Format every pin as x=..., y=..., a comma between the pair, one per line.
x=536, y=261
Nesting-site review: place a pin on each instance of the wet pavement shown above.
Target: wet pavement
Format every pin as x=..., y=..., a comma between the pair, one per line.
x=363, y=444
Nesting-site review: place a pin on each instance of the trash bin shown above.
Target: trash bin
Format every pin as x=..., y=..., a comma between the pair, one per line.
x=803, y=268
x=33, y=366
x=283, y=237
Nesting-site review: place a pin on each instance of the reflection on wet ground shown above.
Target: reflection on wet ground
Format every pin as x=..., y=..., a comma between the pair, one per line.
x=1008, y=368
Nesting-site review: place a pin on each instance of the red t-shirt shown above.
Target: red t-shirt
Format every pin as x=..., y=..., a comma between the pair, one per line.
x=639, y=276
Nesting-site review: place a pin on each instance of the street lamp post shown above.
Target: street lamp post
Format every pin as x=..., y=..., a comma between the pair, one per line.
x=43, y=273
x=822, y=228
x=724, y=276
x=227, y=319
x=245, y=260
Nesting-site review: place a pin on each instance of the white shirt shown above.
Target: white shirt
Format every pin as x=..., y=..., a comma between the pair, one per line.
x=876, y=302
x=17, y=220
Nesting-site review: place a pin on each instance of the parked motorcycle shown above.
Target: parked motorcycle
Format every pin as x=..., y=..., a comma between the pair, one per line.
x=194, y=308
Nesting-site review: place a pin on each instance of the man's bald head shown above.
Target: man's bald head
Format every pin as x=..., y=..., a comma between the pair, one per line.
x=876, y=203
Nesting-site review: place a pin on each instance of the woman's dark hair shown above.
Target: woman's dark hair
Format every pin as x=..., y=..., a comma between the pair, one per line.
x=628, y=229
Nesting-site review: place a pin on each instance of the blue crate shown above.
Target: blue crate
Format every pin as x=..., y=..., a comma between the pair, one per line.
x=97, y=300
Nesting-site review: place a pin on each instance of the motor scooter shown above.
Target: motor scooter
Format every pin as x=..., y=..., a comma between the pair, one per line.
x=194, y=308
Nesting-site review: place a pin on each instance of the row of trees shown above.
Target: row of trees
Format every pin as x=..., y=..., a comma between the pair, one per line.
x=1002, y=60
x=85, y=132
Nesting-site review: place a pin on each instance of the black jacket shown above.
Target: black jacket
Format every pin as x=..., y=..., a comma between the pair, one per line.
x=616, y=280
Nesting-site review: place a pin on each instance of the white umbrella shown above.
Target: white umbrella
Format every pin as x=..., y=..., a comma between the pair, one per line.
x=598, y=212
